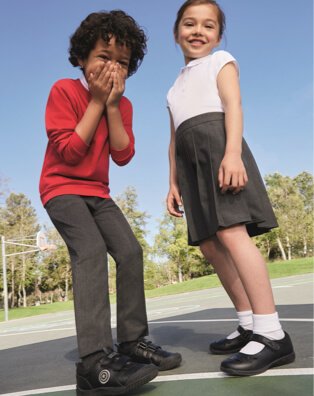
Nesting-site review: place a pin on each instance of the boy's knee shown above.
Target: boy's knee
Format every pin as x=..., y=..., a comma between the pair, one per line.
x=135, y=251
x=131, y=254
x=91, y=251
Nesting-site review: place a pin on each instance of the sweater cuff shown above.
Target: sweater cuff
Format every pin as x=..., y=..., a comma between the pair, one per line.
x=78, y=145
x=122, y=155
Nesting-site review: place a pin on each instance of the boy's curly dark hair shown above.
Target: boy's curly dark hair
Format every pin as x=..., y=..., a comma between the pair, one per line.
x=104, y=25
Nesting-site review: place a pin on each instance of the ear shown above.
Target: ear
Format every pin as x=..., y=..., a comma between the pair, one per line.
x=218, y=43
x=81, y=63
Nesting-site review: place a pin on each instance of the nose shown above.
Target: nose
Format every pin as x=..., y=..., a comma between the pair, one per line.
x=198, y=30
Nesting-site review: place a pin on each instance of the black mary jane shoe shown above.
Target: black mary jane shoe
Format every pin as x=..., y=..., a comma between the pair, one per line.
x=226, y=346
x=275, y=353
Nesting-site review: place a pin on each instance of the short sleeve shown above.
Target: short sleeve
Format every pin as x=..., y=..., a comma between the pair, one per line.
x=220, y=59
x=168, y=98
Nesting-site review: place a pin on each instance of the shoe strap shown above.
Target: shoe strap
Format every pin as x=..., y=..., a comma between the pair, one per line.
x=116, y=360
x=272, y=344
x=244, y=333
x=147, y=346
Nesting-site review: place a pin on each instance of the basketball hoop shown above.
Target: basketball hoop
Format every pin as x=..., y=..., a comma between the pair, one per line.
x=42, y=242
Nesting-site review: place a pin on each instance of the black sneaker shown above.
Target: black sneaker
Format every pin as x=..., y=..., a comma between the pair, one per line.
x=112, y=374
x=143, y=351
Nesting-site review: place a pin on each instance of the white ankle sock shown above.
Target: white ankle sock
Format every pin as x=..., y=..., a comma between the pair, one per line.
x=245, y=321
x=267, y=326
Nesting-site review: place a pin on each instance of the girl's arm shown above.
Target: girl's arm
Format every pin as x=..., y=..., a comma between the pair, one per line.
x=174, y=195
x=232, y=174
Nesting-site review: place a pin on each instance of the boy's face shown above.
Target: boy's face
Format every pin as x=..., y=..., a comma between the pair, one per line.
x=102, y=53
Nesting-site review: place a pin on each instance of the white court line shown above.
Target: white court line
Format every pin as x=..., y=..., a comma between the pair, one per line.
x=178, y=377
x=155, y=322
x=37, y=331
x=223, y=320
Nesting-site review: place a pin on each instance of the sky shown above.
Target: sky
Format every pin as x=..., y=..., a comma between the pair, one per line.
x=272, y=40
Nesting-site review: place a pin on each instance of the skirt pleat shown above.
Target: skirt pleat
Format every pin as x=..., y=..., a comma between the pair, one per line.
x=200, y=148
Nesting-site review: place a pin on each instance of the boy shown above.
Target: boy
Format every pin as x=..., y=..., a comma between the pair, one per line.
x=87, y=120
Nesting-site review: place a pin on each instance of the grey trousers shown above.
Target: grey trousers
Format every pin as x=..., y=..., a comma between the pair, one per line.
x=92, y=227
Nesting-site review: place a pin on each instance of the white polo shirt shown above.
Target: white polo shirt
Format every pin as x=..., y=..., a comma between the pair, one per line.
x=195, y=90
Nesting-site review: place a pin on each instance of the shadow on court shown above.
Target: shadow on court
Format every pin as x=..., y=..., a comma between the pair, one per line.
x=51, y=364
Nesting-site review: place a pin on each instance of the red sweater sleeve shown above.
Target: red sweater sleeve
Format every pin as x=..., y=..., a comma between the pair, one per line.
x=61, y=120
x=122, y=157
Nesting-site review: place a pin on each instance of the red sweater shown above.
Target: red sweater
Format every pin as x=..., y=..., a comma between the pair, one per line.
x=70, y=165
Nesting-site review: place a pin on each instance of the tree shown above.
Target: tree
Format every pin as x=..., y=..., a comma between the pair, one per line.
x=289, y=209
x=20, y=222
x=304, y=185
x=184, y=261
x=54, y=275
x=137, y=219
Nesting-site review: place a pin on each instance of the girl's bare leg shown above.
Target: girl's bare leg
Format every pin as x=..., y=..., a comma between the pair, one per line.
x=250, y=266
x=217, y=255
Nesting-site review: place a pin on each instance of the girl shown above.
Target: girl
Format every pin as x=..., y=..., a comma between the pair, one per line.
x=224, y=197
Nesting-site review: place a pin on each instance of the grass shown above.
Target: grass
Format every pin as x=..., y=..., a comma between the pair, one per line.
x=278, y=269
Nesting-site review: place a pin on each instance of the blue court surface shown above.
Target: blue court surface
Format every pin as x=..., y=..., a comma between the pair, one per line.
x=38, y=355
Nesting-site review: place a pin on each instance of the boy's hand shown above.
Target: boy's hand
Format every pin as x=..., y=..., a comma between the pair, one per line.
x=174, y=202
x=100, y=82
x=118, y=86
x=232, y=174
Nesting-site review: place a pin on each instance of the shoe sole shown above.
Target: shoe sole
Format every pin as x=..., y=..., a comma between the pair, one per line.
x=279, y=362
x=171, y=364
x=103, y=391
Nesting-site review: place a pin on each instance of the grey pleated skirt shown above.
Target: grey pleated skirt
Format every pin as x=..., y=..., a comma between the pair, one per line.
x=200, y=147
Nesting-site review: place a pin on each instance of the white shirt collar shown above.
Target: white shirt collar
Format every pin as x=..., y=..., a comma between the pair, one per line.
x=197, y=61
x=84, y=82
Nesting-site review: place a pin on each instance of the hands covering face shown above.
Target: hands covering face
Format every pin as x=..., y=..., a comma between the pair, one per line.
x=107, y=83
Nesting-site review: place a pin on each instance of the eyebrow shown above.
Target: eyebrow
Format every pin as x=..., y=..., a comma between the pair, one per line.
x=206, y=20
x=104, y=51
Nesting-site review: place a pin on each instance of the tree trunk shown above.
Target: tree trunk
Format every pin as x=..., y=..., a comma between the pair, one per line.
x=282, y=251
x=12, y=281
x=20, y=296
x=288, y=247
x=67, y=281
x=23, y=280
x=37, y=289
x=180, y=273
x=268, y=247
x=304, y=247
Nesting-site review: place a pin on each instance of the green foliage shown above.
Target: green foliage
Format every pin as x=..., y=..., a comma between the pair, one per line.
x=276, y=270
x=137, y=219
x=183, y=261
x=292, y=200
x=55, y=271
x=47, y=277
x=19, y=222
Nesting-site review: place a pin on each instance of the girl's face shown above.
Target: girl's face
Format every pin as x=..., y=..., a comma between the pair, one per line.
x=103, y=53
x=198, y=31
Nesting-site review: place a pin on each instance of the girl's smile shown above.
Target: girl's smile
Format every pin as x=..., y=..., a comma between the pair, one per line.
x=198, y=32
